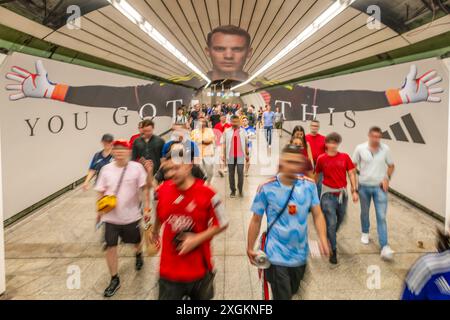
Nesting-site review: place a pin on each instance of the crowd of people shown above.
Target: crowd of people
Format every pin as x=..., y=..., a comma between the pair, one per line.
x=175, y=178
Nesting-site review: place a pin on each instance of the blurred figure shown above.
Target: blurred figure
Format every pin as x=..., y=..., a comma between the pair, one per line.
x=149, y=146
x=429, y=277
x=137, y=135
x=251, y=135
x=309, y=168
x=192, y=214
x=375, y=164
x=235, y=154
x=181, y=135
x=335, y=166
x=128, y=181
x=316, y=143
x=99, y=160
x=286, y=199
x=278, y=119
x=205, y=137
x=215, y=117
x=251, y=116
x=193, y=117
x=299, y=133
x=268, y=118
x=259, y=118
x=180, y=118
x=219, y=129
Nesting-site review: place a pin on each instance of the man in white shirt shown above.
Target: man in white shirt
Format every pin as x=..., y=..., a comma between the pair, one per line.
x=375, y=164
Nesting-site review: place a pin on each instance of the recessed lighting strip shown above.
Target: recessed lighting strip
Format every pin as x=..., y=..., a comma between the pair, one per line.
x=128, y=11
x=331, y=12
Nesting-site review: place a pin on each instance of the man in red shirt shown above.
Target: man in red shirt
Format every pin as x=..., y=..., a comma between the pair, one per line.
x=137, y=135
x=192, y=214
x=219, y=129
x=317, y=144
x=335, y=166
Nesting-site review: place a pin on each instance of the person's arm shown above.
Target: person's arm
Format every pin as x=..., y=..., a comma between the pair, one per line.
x=135, y=152
x=317, y=170
x=310, y=156
x=37, y=85
x=90, y=175
x=353, y=183
x=321, y=229
x=252, y=235
x=390, y=170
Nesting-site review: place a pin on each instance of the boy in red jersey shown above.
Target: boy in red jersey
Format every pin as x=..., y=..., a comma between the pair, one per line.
x=192, y=214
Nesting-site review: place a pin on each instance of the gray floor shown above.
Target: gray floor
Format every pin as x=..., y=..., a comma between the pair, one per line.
x=47, y=249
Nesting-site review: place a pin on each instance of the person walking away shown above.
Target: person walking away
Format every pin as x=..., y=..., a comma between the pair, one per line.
x=99, y=160
x=149, y=146
x=192, y=214
x=375, y=164
x=129, y=182
x=286, y=200
x=335, y=166
x=251, y=135
x=279, y=119
x=316, y=143
x=235, y=154
x=204, y=137
x=268, y=118
x=219, y=129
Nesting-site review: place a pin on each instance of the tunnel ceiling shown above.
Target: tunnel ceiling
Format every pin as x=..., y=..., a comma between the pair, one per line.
x=107, y=34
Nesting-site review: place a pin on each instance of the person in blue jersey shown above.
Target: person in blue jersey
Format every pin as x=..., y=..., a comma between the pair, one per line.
x=286, y=200
x=429, y=277
x=251, y=135
x=99, y=160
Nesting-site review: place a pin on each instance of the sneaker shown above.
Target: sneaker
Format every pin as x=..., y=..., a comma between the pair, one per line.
x=365, y=238
x=233, y=194
x=333, y=257
x=387, y=253
x=114, y=285
x=241, y=194
x=139, y=261
x=246, y=174
x=221, y=173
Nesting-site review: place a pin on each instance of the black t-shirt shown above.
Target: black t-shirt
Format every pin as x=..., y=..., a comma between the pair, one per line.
x=215, y=119
x=151, y=150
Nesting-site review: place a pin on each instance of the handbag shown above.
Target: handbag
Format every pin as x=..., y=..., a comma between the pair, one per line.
x=107, y=203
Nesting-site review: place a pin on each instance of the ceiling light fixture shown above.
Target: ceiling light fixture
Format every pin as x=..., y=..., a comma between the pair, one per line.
x=128, y=11
x=332, y=11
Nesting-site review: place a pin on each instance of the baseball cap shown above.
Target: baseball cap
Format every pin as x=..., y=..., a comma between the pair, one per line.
x=122, y=143
x=107, y=137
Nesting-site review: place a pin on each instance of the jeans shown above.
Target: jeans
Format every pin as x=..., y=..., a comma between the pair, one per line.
x=231, y=175
x=319, y=184
x=380, y=199
x=268, y=131
x=334, y=214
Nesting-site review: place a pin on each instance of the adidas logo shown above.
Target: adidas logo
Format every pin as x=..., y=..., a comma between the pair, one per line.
x=400, y=135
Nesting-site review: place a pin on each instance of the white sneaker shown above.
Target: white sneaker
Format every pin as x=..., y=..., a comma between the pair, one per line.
x=365, y=238
x=387, y=253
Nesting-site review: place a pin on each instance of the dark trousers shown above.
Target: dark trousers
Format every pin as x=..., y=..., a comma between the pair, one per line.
x=172, y=290
x=268, y=135
x=231, y=175
x=334, y=213
x=284, y=281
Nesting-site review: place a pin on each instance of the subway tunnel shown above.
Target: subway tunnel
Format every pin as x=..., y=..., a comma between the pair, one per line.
x=240, y=88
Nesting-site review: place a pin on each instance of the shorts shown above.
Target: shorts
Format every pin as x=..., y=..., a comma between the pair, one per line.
x=128, y=233
x=174, y=290
x=278, y=125
x=284, y=281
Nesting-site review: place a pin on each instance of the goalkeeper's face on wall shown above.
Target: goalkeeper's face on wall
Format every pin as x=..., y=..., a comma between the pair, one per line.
x=228, y=49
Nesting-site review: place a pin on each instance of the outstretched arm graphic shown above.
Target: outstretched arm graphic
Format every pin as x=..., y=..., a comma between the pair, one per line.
x=38, y=85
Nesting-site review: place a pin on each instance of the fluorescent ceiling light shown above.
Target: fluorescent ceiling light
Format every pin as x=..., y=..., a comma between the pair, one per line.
x=128, y=11
x=332, y=11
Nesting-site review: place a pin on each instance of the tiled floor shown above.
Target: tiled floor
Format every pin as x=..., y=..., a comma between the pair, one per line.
x=47, y=249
